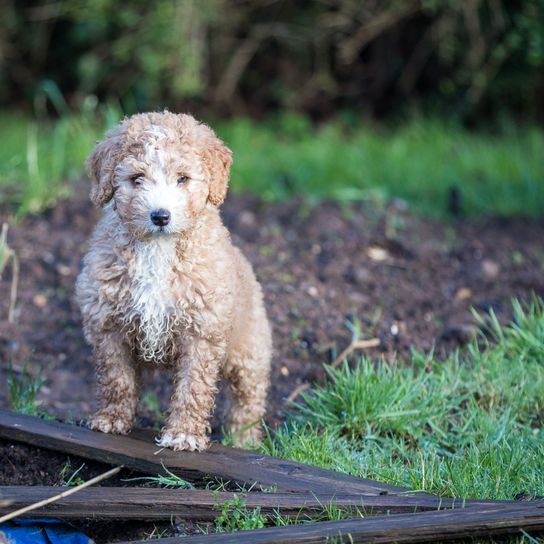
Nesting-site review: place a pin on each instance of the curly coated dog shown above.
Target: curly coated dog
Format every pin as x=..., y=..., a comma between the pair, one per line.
x=163, y=285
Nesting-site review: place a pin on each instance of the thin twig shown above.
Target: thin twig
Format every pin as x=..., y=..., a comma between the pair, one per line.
x=377, y=25
x=7, y=254
x=297, y=391
x=355, y=344
x=66, y=493
x=13, y=290
x=242, y=57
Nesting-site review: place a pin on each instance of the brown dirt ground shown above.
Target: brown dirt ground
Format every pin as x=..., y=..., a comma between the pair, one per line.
x=409, y=281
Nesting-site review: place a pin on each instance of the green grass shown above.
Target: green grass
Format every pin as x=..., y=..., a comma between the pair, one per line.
x=70, y=477
x=24, y=389
x=167, y=479
x=469, y=426
x=419, y=161
x=234, y=515
x=39, y=159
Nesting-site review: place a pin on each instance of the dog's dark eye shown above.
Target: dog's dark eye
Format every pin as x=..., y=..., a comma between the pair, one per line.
x=182, y=180
x=136, y=179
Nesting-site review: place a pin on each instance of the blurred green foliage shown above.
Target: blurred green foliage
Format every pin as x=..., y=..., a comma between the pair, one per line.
x=473, y=58
x=419, y=161
x=38, y=159
x=149, y=46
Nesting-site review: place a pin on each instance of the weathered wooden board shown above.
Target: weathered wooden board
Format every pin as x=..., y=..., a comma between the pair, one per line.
x=419, y=527
x=139, y=452
x=195, y=504
x=224, y=462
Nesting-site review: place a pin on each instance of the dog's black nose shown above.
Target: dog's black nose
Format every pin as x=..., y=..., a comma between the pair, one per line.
x=160, y=217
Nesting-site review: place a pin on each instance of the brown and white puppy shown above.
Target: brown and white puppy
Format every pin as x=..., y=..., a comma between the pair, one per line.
x=163, y=285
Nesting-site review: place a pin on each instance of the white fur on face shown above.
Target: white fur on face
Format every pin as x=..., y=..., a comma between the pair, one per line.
x=166, y=196
x=163, y=161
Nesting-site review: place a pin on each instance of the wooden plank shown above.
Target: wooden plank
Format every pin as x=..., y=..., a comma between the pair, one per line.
x=197, y=504
x=220, y=461
x=419, y=527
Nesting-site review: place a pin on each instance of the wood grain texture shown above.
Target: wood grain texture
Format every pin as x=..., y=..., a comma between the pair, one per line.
x=220, y=461
x=419, y=527
x=201, y=505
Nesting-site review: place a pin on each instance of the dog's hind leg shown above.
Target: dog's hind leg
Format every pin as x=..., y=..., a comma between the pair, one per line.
x=248, y=372
x=117, y=379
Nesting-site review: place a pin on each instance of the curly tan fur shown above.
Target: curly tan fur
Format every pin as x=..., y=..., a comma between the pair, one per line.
x=180, y=295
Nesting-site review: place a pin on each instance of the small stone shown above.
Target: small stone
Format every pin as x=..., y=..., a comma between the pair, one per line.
x=247, y=219
x=490, y=269
x=463, y=294
x=63, y=270
x=284, y=371
x=377, y=253
x=39, y=300
x=316, y=249
x=398, y=328
x=312, y=291
x=247, y=227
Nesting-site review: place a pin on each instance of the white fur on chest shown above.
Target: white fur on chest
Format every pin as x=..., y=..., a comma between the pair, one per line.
x=152, y=298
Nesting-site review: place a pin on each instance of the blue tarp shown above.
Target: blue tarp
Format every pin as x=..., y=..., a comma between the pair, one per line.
x=40, y=531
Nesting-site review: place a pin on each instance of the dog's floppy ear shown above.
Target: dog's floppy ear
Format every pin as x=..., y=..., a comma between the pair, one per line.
x=101, y=166
x=216, y=159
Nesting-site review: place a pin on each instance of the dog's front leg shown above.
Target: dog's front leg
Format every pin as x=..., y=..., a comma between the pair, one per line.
x=116, y=386
x=193, y=399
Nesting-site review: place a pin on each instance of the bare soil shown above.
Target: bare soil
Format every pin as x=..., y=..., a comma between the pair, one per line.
x=407, y=281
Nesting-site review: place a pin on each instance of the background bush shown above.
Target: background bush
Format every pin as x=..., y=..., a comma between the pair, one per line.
x=471, y=58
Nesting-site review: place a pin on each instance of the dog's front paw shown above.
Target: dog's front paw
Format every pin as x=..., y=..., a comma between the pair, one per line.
x=182, y=441
x=108, y=422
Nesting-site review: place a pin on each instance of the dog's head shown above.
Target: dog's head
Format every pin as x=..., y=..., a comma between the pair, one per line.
x=161, y=170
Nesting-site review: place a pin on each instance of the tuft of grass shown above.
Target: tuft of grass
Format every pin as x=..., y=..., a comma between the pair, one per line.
x=168, y=479
x=236, y=516
x=70, y=480
x=369, y=401
x=469, y=426
x=24, y=389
